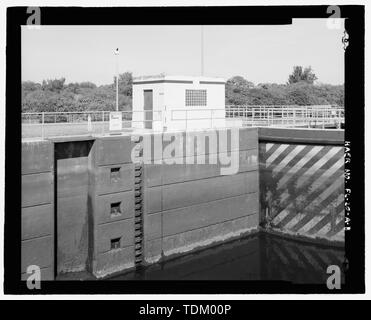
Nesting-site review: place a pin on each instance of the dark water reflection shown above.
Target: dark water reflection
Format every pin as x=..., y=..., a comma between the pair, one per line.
x=258, y=257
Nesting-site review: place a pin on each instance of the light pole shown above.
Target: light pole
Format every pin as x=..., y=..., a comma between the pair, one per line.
x=117, y=78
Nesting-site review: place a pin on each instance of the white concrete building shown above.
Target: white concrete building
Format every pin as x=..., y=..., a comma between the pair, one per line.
x=178, y=102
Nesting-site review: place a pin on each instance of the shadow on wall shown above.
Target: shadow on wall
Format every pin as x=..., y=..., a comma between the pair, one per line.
x=302, y=189
x=71, y=208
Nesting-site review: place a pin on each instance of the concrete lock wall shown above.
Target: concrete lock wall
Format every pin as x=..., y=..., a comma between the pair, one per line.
x=302, y=182
x=90, y=224
x=71, y=201
x=111, y=201
x=37, y=208
x=166, y=209
x=110, y=214
x=188, y=206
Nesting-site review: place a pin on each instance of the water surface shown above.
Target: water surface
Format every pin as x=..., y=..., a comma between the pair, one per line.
x=259, y=257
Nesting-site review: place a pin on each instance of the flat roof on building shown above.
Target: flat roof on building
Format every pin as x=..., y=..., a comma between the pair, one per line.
x=162, y=78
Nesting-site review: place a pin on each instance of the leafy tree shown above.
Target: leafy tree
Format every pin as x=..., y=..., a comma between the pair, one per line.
x=236, y=89
x=302, y=92
x=53, y=85
x=126, y=84
x=299, y=75
x=87, y=84
x=239, y=84
x=30, y=86
x=56, y=95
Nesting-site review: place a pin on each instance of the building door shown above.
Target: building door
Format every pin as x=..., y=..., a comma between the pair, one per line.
x=148, y=108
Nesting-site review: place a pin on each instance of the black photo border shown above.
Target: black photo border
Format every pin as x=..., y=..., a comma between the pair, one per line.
x=234, y=15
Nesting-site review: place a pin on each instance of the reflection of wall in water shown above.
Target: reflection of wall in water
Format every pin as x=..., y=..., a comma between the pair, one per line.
x=257, y=257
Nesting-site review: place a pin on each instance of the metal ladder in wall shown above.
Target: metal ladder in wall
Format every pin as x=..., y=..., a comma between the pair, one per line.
x=138, y=198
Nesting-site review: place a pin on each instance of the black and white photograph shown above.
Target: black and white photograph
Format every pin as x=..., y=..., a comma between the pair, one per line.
x=161, y=146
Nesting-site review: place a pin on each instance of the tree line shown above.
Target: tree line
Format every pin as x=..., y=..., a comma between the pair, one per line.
x=58, y=96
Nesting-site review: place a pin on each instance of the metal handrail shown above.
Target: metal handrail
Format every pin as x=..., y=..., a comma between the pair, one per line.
x=82, y=119
x=281, y=116
x=270, y=116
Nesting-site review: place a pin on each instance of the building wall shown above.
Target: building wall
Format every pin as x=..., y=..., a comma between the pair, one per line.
x=175, y=100
x=138, y=104
x=169, y=97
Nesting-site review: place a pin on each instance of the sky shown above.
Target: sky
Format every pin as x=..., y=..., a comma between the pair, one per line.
x=258, y=53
